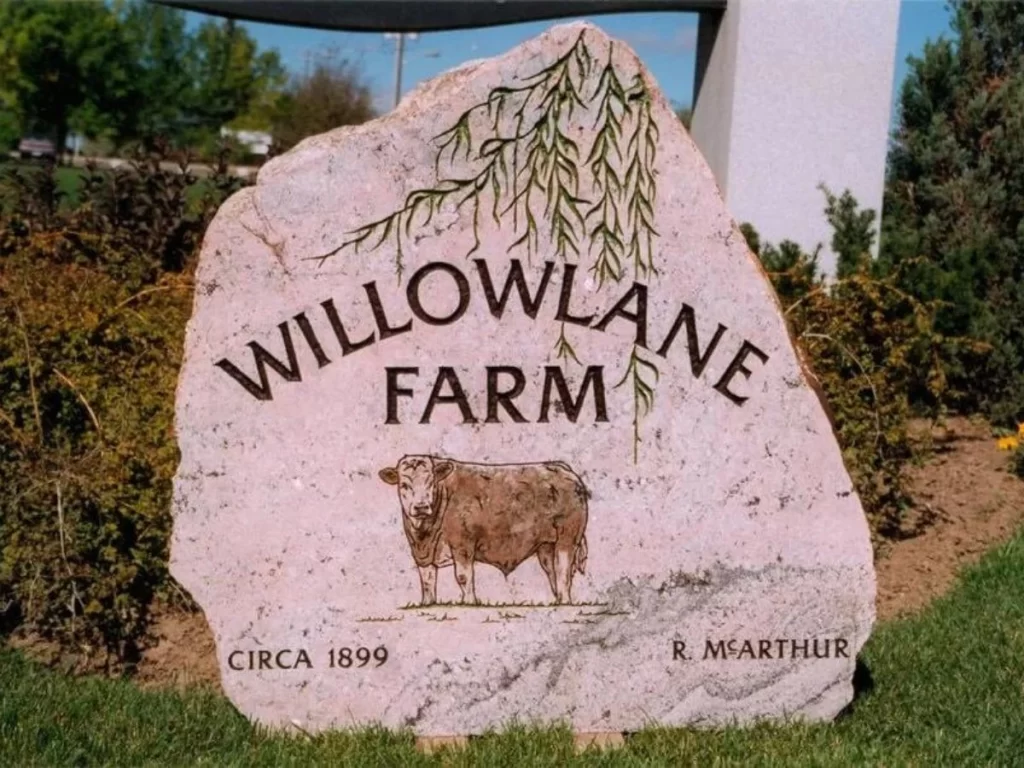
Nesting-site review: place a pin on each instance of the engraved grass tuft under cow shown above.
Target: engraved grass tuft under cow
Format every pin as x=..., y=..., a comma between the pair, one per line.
x=457, y=513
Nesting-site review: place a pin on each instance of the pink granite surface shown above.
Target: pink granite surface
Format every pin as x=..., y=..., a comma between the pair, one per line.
x=702, y=536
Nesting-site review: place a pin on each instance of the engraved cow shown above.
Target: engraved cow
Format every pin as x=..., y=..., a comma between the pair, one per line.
x=457, y=513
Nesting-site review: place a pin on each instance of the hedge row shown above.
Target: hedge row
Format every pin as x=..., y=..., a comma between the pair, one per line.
x=94, y=298
x=93, y=305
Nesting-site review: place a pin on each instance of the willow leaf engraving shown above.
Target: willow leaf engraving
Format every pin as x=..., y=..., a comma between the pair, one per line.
x=564, y=349
x=512, y=157
x=638, y=375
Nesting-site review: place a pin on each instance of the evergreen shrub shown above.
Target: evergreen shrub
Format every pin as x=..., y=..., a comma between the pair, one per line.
x=955, y=200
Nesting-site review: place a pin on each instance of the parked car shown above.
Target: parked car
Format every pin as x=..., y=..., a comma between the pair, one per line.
x=36, y=147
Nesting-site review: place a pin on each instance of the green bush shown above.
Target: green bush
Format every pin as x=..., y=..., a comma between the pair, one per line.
x=870, y=345
x=93, y=305
x=94, y=299
x=1014, y=443
x=10, y=131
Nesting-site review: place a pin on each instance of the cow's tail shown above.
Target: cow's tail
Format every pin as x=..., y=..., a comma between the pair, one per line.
x=580, y=558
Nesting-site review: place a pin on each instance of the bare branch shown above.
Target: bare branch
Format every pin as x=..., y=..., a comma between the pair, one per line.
x=31, y=375
x=64, y=556
x=857, y=362
x=81, y=397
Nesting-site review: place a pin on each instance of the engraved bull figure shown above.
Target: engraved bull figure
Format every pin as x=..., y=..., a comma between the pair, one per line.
x=458, y=513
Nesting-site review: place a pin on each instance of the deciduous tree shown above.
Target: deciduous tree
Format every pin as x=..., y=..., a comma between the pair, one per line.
x=161, y=47
x=332, y=94
x=66, y=65
x=231, y=75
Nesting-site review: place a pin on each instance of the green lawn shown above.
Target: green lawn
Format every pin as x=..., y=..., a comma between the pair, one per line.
x=948, y=690
x=70, y=181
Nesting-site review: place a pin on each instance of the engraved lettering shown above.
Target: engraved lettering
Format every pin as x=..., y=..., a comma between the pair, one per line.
x=698, y=359
x=380, y=317
x=553, y=376
x=394, y=391
x=498, y=397
x=416, y=304
x=347, y=345
x=737, y=366
x=263, y=358
x=515, y=279
x=314, y=343
x=638, y=318
x=446, y=375
x=565, y=298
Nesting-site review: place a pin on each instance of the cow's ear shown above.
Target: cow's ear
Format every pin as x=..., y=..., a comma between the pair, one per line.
x=442, y=469
x=389, y=475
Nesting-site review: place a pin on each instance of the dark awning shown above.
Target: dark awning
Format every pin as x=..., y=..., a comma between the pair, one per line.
x=424, y=15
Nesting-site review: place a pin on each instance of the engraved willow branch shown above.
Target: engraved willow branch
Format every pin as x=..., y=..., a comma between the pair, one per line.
x=532, y=170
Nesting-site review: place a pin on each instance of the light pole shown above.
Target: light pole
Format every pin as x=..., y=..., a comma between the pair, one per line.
x=399, y=38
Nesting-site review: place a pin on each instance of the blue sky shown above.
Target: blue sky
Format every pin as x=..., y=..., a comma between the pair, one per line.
x=665, y=41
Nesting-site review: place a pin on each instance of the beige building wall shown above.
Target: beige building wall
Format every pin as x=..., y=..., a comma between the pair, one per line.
x=792, y=94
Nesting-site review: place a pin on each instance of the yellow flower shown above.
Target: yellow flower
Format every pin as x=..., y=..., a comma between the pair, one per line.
x=1008, y=443
x=1020, y=430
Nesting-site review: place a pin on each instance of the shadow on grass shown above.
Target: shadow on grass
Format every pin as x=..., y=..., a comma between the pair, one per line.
x=863, y=685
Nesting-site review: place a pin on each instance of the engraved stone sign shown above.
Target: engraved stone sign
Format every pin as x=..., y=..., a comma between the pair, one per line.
x=489, y=414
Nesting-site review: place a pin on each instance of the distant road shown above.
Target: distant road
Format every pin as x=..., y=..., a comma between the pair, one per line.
x=199, y=169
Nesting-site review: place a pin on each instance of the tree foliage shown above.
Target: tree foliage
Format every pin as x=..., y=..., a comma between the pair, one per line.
x=853, y=231
x=793, y=272
x=128, y=72
x=66, y=66
x=231, y=77
x=332, y=94
x=955, y=199
x=161, y=48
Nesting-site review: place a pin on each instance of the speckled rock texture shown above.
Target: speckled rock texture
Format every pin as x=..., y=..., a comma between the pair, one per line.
x=488, y=414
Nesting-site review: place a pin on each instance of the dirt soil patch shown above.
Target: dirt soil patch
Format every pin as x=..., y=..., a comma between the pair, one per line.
x=966, y=502
x=183, y=655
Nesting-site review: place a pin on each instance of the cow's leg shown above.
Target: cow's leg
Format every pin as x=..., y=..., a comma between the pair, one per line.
x=464, y=577
x=563, y=575
x=428, y=584
x=546, y=556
